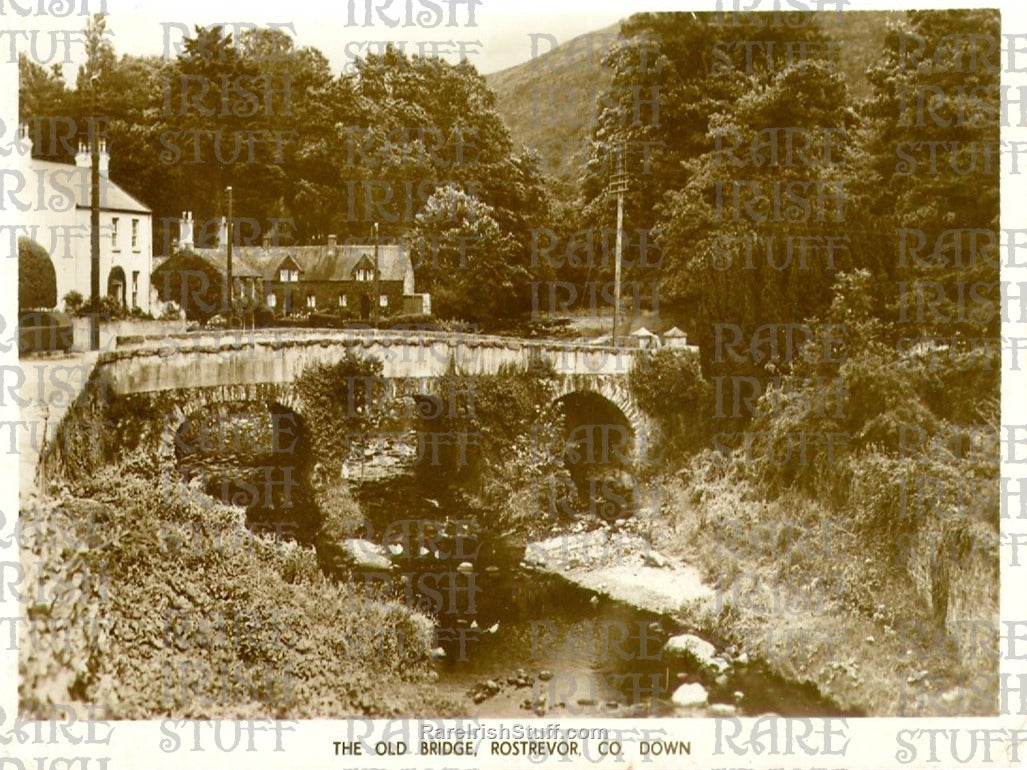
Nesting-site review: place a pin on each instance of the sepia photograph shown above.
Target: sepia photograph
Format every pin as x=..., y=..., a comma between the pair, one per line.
x=539, y=378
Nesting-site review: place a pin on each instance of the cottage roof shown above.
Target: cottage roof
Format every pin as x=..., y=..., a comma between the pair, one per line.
x=675, y=333
x=316, y=263
x=242, y=264
x=641, y=331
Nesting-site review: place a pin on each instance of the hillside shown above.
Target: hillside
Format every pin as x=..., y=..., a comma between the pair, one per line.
x=548, y=102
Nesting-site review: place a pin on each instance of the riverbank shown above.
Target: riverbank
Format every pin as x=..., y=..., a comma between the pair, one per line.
x=165, y=604
x=779, y=583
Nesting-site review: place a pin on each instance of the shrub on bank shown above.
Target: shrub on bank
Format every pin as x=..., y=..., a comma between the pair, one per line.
x=173, y=608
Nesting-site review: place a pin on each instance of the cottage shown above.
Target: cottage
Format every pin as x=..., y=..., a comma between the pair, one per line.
x=645, y=338
x=321, y=278
x=675, y=338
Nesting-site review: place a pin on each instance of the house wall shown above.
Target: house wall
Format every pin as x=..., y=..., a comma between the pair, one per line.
x=62, y=228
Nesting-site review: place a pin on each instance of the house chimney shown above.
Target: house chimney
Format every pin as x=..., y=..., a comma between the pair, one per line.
x=332, y=243
x=84, y=160
x=185, y=231
x=223, y=234
x=26, y=138
x=105, y=158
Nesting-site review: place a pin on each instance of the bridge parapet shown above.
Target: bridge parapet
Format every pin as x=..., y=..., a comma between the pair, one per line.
x=271, y=356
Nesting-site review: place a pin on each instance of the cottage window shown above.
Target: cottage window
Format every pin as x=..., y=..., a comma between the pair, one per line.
x=311, y=301
x=343, y=300
x=272, y=299
x=114, y=233
x=383, y=300
x=135, y=234
x=288, y=276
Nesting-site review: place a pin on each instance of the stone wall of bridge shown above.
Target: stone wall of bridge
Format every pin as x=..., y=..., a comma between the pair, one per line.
x=201, y=361
x=158, y=384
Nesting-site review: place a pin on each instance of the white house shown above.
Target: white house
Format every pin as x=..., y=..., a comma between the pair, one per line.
x=54, y=210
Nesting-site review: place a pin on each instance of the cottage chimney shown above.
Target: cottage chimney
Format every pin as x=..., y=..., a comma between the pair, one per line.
x=223, y=234
x=266, y=242
x=82, y=159
x=332, y=244
x=185, y=231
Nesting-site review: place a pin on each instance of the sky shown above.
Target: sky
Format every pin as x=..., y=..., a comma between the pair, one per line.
x=494, y=34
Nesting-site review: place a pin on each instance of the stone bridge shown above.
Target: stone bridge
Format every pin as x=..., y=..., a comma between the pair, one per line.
x=199, y=370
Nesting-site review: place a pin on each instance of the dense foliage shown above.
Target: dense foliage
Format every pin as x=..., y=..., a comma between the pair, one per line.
x=192, y=283
x=669, y=386
x=37, y=279
x=171, y=593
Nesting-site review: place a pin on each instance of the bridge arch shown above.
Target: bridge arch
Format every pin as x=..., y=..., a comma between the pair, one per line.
x=251, y=453
x=614, y=391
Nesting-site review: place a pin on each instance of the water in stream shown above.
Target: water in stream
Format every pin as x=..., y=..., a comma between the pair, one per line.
x=519, y=642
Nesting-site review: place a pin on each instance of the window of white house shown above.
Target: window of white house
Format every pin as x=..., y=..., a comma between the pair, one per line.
x=135, y=288
x=272, y=300
x=383, y=300
x=135, y=234
x=114, y=233
x=311, y=301
x=343, y=301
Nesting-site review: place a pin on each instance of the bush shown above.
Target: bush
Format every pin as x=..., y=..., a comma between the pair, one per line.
x=669, y=386
x=37, y=279
x=73, y=302
x=192, y=283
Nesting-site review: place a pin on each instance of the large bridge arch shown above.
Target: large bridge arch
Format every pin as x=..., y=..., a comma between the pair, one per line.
x=615, y=391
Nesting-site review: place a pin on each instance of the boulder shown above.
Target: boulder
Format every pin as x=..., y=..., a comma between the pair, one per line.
x=363, y=554
x=691, y=646
x=690, y=695
x=655, y=559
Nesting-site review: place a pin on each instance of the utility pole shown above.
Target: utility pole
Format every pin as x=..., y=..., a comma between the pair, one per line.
x=619, y=186
x=94, y=228
x=94, y=39
x=376, y=303
x=228, y=287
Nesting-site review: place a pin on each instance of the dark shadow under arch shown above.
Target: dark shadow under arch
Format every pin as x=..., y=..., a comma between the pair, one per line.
x=598, y=445
x=256, y=455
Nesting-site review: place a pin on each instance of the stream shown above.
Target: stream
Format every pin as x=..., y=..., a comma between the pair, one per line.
x=514, y=641
x=520, y=642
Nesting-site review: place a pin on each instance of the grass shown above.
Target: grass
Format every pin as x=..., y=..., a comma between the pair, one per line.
x=800, y=590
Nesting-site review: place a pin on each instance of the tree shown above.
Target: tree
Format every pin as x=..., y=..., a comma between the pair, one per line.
x=37, y=279
x=672, y=74
x=43, y=100
x=925, y=179
x=465, y=259
x=192, y=283
x=746, y=241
